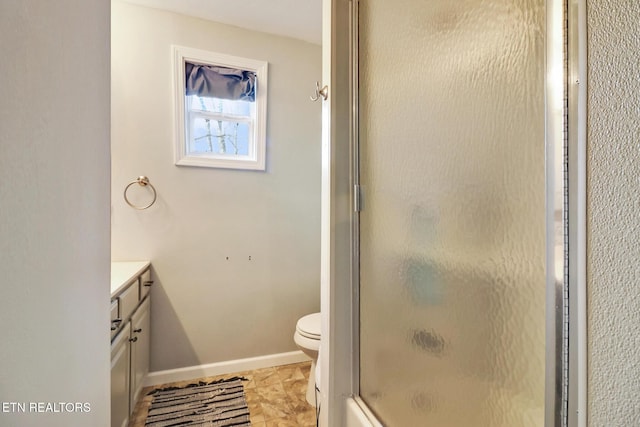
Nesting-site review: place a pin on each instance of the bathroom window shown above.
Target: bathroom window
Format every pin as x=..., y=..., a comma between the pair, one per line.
x=220, y=105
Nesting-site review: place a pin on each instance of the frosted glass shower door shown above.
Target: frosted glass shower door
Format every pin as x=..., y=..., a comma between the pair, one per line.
x=452, y=231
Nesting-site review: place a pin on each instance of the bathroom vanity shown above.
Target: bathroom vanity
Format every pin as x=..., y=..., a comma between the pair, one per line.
x=130, y=333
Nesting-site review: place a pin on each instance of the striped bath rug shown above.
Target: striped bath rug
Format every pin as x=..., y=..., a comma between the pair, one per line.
x=219, y=403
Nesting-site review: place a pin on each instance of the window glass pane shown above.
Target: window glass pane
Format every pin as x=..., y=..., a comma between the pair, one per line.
x=218, y=105
x=219, y=137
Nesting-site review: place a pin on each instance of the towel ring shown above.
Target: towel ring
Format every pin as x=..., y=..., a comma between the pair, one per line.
x=143, y=181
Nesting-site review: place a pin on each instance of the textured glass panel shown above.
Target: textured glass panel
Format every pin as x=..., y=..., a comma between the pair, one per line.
x=453, y=228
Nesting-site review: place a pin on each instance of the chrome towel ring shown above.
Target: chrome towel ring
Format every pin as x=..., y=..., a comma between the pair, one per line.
x=143, y=181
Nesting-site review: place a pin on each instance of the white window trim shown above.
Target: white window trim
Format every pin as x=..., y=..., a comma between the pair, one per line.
x=256, y=160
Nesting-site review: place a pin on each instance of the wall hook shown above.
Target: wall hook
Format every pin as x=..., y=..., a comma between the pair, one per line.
x=324, y=92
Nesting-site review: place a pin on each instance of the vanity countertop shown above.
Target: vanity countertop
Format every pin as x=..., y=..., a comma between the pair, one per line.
x=123, y=272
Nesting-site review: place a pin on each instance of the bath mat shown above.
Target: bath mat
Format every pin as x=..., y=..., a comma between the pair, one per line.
x=216, y=404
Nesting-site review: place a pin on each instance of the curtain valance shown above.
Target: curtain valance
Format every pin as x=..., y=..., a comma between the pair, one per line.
x=220, y=82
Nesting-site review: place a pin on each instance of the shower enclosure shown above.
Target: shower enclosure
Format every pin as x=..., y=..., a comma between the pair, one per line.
x=460, y=183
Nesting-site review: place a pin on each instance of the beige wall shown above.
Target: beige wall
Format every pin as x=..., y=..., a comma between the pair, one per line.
x=207, y=308
x=54, y=209
x=614, y=212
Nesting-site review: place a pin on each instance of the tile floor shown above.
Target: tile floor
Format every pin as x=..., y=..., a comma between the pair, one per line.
x=276, y=397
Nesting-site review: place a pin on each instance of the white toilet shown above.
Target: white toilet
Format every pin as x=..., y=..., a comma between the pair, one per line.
x=307, y=338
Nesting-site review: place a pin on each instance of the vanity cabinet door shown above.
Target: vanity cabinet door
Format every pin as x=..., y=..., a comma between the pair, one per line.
x=140, y=334
x=120, y=387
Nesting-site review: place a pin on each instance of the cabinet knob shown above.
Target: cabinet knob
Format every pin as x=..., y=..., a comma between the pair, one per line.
x=116, y=321
x=148, y=283
x=134, y=339
x=113, y=328
x=137, y=330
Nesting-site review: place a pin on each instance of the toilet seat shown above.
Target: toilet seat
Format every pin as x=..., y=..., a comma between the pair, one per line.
x=309, y=326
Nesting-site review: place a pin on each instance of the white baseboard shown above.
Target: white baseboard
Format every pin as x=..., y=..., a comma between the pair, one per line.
x=223, y=368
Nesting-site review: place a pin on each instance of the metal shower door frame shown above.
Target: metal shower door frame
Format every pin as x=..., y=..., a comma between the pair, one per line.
x=342, y=200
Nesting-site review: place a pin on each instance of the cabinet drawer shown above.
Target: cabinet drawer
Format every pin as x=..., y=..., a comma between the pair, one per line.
x=145, y=283
x=114, y=310
x=128, y=300
x=115, y=320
